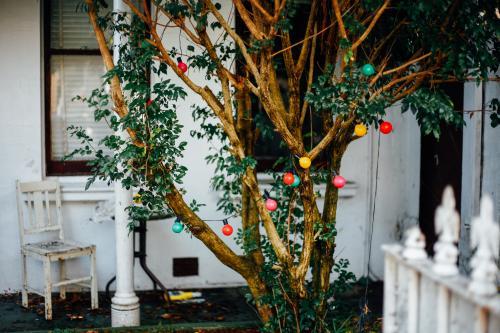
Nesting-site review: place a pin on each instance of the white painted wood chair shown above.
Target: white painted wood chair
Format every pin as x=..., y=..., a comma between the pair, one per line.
x=36, y=200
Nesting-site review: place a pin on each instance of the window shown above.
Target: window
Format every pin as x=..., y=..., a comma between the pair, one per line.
x=73, y=66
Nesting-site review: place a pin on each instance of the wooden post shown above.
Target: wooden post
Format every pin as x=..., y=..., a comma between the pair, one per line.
x=48, y=288
x=94, y=298
x=24, y=291
x=62, y=277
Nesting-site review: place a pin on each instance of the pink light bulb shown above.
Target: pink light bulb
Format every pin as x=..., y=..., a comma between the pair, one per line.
x=271, y=204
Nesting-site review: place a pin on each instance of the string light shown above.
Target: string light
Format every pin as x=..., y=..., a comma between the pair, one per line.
x=177, y=227
x=338, y=181
x=271, y=204
x=360, y=130
x=182, y=65
x=296, y=180
x=227, y=229
x=385, y=127
x=305, y=162
x=288, y=178
x=368, y=70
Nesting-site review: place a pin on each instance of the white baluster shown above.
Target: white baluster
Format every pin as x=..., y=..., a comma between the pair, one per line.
x=414, y=244
x=485, y=237
x=447, y=224
x=413, y=301
x=443, y=310
x=390, y=294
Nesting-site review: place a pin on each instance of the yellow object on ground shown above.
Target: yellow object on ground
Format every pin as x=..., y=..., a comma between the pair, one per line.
x=183, y=295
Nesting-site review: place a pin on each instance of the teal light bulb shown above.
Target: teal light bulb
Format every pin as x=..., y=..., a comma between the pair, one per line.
x=177, y=227
x=296, y=181
x=368, y=70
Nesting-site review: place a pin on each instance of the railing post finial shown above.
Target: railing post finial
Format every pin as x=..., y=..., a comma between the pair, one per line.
x=447, y=224
x=485, y=237
x=414, y=244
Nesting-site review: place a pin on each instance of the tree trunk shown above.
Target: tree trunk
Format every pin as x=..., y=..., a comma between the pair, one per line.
x=325, y=249
x=258, y=290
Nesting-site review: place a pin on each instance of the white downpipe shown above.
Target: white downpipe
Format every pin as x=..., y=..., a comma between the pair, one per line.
x=124, y=304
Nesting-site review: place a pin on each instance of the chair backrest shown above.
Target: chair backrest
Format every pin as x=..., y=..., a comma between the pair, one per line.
x=35, y=200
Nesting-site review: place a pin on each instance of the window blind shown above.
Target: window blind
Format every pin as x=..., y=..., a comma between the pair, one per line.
x=70, y=27
x=73, y=75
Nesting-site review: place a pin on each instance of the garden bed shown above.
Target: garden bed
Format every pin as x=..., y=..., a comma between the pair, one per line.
x=224, y=310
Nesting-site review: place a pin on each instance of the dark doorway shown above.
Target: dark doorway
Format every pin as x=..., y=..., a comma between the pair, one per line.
x=440, y=165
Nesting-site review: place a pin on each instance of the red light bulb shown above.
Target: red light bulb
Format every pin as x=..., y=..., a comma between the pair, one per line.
x=338, y=181
x=288, y=178
x=271, y=204
x=149, y=102
x=385, y=127
x=227, y=230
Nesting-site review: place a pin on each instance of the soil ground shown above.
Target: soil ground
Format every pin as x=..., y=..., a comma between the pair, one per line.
x=225, y=305
x=224, y=310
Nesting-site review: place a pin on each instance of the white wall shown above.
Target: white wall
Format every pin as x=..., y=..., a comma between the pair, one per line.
x=21, y=149
x=20, y=130
x=480, y=175
x=491, y=170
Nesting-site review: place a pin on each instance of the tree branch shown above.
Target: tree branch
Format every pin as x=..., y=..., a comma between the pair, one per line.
x=245, y=17
x=278, y=245
x=301, y=62
x=302, y=41
x=327, y=139
x=380, y=44
x=365, y=34
x=180, y=23
x=407, y=64
x=278, y=8
x=338, y=15
x=204, y=233
x=310, y=78
x=236, y=38
x=120, y=106
x=262, y=10
x=396, y=81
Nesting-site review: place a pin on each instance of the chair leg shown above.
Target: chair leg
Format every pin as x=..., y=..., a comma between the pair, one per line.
x=24, y=290
x=62, y=277
x=93, y=283
x=48, y=289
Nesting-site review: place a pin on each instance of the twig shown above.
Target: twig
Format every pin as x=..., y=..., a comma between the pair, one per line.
x=409, y=63
x=365, y=34
x=302, y=41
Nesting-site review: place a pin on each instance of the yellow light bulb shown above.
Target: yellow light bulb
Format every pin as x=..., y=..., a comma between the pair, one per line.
x=360, y=130
x=305, y=162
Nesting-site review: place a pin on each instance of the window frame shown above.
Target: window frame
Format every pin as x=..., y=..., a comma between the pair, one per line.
x=55, y=167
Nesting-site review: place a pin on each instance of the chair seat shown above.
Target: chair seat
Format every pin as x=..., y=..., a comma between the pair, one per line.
x=57, y=248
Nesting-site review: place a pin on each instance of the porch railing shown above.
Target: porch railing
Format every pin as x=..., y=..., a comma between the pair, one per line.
x=429, y=295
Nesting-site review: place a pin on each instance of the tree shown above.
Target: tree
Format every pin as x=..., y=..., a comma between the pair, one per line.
x=354, y=59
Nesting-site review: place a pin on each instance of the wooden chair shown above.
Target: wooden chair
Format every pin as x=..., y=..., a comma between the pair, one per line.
x=36, y=200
